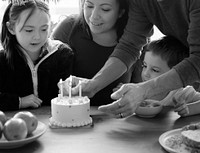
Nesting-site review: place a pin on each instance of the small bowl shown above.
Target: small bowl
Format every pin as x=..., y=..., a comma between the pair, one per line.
x=149, y=108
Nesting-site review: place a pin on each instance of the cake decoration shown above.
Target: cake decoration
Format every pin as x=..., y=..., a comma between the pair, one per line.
x=70, y=111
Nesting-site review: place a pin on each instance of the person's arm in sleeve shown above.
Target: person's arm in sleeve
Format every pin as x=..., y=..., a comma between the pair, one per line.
x=127, y=51
x=9, y=102
x=189, y=69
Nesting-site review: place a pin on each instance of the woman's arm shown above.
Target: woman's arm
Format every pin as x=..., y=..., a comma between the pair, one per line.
x=112, y=70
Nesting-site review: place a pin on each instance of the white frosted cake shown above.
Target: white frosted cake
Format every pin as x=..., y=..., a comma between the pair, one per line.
x=70, y=112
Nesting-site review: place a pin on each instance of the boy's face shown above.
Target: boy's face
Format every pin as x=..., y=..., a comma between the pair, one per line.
x=153, y=66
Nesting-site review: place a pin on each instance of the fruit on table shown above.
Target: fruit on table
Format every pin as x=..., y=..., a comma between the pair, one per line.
x=30, y=120
x=15, y=129
x=3, y=117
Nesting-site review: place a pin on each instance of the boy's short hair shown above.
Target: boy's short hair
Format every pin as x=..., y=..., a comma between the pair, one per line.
x=169, y=49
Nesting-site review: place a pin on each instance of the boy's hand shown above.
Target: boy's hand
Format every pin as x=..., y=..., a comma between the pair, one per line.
x=181, y=107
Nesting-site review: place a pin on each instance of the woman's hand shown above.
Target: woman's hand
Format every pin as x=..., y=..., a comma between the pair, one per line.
x=117, y=87
x=128, y=98
x=30, y=101
x=75, y=83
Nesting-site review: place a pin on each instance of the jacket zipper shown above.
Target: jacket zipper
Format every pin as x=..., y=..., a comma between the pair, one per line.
x=34, y=72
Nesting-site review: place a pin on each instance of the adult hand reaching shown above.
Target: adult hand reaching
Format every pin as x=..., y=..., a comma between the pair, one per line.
x=75, y=82
x=128, y=98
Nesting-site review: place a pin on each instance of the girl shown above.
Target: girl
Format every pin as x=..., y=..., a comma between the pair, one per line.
x=93, y=35
x=30, y=63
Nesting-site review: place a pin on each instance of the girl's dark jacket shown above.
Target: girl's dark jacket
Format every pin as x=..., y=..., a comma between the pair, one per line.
x=25, y=78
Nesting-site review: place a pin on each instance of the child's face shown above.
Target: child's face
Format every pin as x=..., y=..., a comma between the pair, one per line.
x=153, y=66
x=33, y=33
x=101, y=15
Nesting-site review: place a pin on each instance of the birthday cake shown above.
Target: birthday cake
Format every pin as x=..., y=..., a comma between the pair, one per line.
x=70, y=112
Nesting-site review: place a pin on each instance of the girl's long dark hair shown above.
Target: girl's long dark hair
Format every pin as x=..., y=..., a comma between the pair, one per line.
x=8, y=40
x=11, y=15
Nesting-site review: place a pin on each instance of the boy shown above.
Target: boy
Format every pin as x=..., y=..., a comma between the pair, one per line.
x=159, y=57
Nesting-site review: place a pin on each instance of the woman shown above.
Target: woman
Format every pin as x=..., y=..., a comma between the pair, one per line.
x=93, y=35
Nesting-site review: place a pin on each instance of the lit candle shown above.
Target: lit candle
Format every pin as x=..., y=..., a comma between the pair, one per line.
x=61, y=88
x=70, y=86
x=80, y=88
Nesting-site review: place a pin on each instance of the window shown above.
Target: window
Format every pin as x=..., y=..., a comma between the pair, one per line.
x=3, y=5
x=157, y=34
x=63, y=7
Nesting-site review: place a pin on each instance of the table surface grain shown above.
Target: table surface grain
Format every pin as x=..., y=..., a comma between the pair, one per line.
x=106, y=135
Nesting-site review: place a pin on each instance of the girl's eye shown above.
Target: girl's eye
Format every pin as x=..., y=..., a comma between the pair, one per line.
x=88, y=5
x=28, y=30
x=44, y=29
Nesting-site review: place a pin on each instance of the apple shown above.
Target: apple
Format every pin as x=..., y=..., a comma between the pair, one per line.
x=1, y=129
x=3, y=117
x=30, y=120
x=15, y=129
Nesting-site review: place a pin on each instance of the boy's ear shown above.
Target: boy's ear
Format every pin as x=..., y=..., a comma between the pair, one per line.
x=10, y=28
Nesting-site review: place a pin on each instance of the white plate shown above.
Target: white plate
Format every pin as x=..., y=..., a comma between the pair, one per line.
x=173, y=136
x=40, y=130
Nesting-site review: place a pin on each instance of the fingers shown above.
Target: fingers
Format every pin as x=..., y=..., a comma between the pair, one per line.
x=120, y=92
x=118, y=110
x=34, y=105
x=74, y=83
x=182, y=109
x=110, y=108
x=183, y=113
x=183, y=94
x=123, y=112
x=75, y=90
x=38, y=101
x=117, y=87
x=35, y=102
x=125, y=104
x=174, y=101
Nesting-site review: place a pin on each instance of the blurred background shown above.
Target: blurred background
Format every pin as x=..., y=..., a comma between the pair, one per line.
x=62, y=8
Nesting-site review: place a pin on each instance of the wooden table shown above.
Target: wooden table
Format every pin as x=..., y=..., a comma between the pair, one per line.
x=108, y=135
